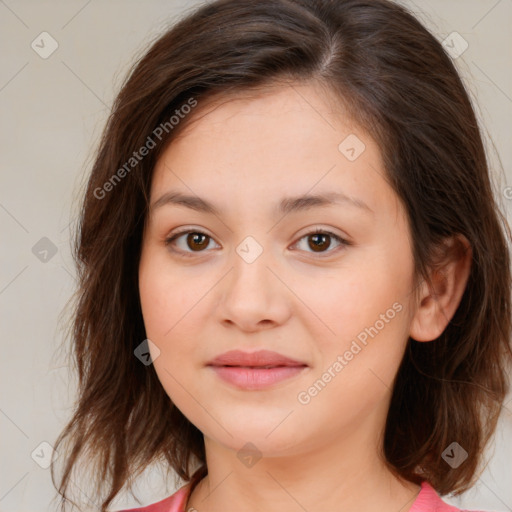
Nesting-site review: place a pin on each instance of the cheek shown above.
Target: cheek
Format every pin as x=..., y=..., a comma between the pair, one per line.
x=347, y=299
x=360, y=311
x=167, y=308
x=356, y=365
x=167, y=296
x=175, y=308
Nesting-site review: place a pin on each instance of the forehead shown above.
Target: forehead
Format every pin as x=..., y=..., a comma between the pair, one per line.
x=272, y=100
x=257, y=145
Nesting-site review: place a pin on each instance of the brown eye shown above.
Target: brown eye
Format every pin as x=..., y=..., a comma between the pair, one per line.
x=320, y=242
x=194, y=242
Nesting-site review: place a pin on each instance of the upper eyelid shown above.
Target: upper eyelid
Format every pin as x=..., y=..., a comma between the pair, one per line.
x=313, y=230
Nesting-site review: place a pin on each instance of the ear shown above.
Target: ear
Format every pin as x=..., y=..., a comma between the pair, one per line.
x=437, y=304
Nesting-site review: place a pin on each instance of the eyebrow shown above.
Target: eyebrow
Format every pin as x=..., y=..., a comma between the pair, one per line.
x=285, y=206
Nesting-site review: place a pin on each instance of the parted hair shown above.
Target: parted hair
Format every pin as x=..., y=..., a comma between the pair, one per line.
x=396, y=81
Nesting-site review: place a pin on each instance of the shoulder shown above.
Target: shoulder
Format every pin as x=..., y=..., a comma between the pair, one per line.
x=177, y=501
x=174, y=503
x=429, y=501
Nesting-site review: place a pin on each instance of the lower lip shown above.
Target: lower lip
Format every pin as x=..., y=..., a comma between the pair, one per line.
x=256, y=378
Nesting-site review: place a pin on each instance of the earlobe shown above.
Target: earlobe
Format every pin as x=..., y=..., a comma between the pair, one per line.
x=437, y=303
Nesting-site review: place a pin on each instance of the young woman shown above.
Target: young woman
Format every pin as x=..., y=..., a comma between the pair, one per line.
x=294, y=277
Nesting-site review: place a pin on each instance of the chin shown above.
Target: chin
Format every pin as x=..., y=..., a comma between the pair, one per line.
x=266, y=440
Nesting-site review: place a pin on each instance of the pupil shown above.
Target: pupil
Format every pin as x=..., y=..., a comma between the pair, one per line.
x=193, y=238
x=316, y=237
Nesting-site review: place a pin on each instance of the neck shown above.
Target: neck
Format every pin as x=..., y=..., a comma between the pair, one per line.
x=343, y=478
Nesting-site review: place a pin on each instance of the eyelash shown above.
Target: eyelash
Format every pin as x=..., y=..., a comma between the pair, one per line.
x=187, y=254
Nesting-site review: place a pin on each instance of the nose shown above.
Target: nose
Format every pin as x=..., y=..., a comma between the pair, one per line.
x=253, y=296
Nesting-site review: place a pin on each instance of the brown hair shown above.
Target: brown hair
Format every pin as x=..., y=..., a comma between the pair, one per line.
x=396, y=81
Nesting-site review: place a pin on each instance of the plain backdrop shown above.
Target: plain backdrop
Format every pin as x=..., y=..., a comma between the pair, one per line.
x=53, y=110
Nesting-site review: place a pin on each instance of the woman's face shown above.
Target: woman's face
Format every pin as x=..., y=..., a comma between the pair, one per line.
x=261, y=275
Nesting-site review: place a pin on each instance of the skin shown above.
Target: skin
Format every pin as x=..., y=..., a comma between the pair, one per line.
x=244, y=155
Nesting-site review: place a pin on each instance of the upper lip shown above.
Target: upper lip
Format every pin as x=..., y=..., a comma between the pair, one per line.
x=259, y=358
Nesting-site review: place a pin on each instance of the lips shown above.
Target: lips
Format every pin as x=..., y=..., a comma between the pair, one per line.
x=260, y=359
x=257, y=378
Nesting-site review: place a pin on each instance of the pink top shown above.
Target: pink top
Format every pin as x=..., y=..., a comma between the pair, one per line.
x=427, y=501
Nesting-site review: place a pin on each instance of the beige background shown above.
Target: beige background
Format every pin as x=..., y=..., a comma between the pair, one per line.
x=52, y=113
